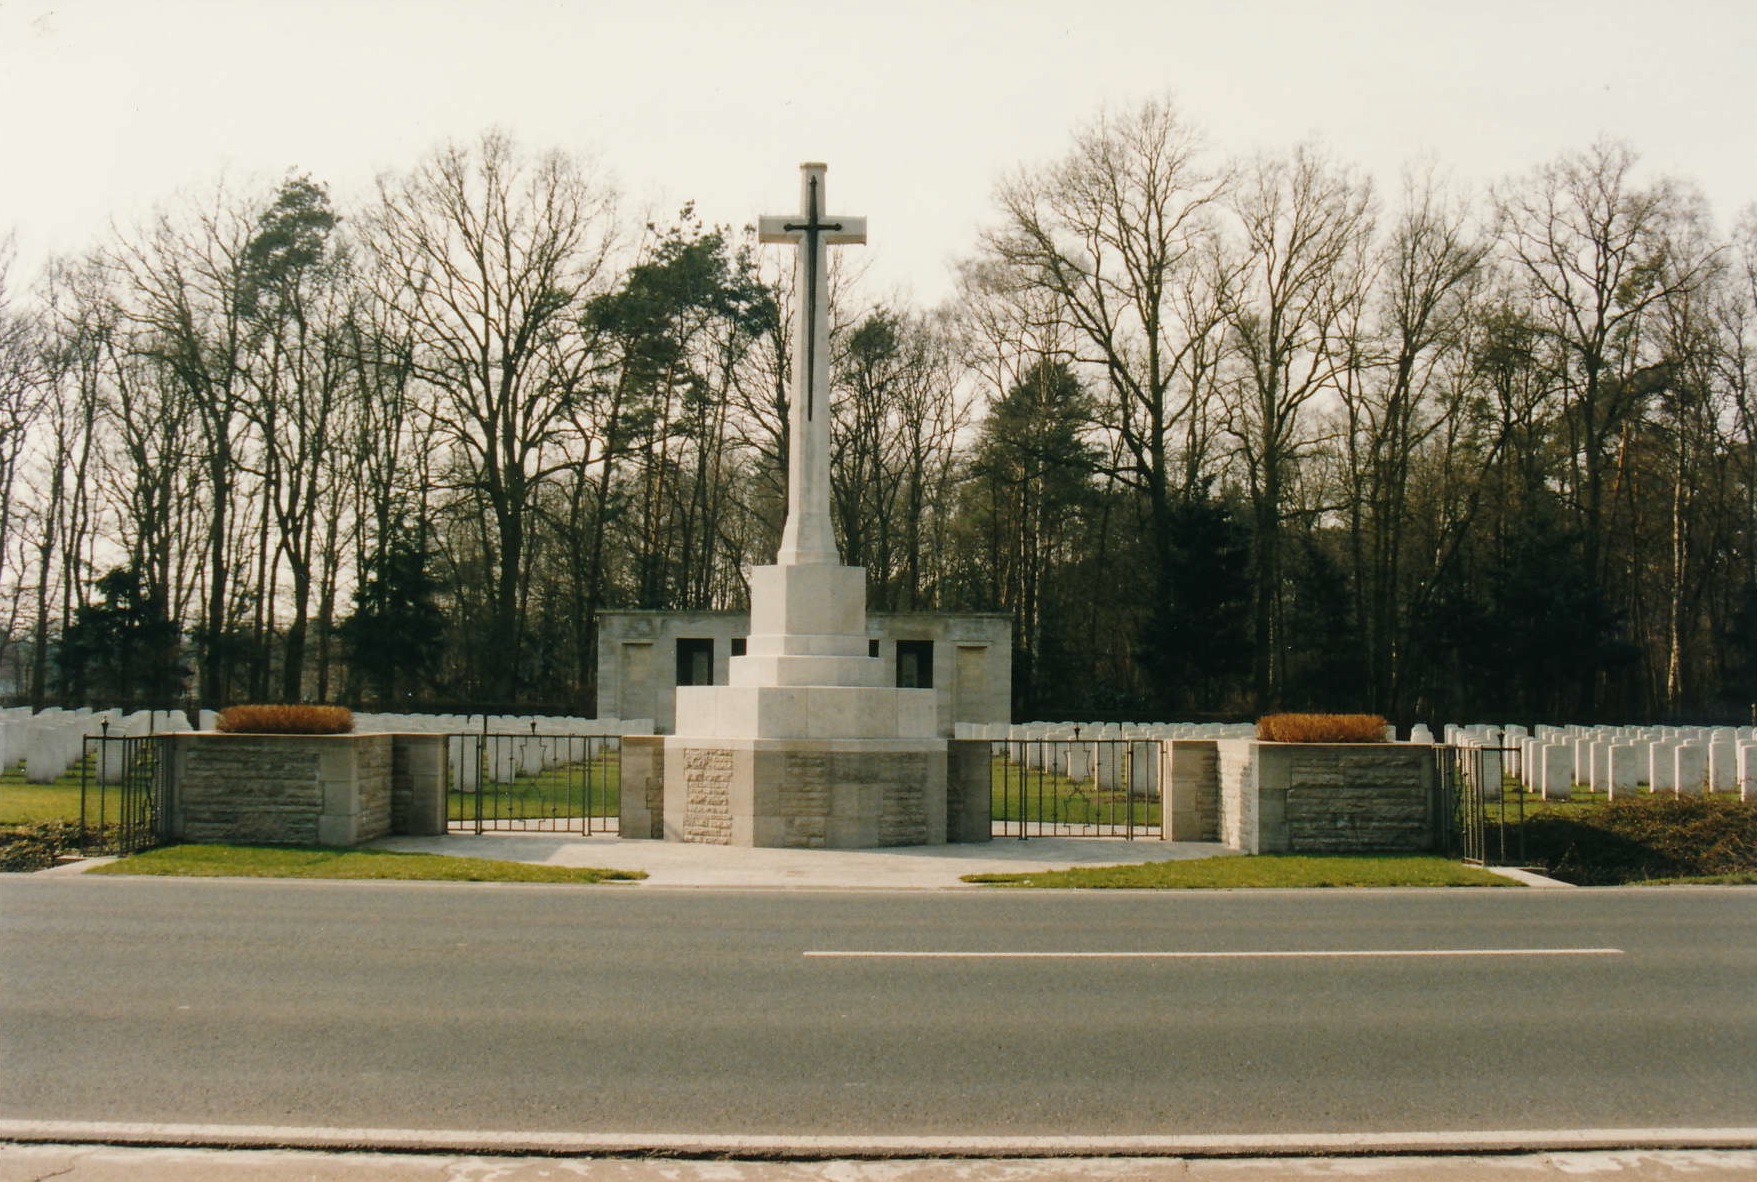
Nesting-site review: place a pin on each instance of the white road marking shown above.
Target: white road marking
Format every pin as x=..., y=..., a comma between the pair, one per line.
x=1307, y=954
x=814, y=1145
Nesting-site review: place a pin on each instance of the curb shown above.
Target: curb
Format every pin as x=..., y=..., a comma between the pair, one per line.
x=819, y=1147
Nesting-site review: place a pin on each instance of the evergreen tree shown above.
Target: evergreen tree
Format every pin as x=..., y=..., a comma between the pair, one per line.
x=123, y=650
x=397, y=632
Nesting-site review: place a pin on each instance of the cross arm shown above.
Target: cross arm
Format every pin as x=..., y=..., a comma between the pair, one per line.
x=773, y=228
x=851, y=230
x=784, y=227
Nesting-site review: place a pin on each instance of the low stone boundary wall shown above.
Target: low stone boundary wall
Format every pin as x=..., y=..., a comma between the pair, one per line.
x=328, y=790
x=1327, y=797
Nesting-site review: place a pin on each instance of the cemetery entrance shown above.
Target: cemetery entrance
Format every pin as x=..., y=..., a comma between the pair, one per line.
x=1482, y=804
x=533, y=781
x=1076, y=787
x=123, y=788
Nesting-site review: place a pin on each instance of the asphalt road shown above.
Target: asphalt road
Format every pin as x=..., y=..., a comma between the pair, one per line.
x=454, y=1006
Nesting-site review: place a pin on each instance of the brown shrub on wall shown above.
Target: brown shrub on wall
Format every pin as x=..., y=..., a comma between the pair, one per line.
x=1321, y=728
x=286, y=720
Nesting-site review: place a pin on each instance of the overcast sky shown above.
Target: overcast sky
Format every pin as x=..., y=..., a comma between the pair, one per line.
x=110, y=106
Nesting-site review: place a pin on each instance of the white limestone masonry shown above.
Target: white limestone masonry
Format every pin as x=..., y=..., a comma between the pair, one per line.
x=807, y=744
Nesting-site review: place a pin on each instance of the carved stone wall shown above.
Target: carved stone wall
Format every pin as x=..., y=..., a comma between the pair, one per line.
x=708, y=811
x=805, y=794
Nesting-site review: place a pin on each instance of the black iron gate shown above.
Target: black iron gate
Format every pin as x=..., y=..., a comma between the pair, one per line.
x=123, y=793
x=1482, y=804
x=534, y=782
x=1076, y=787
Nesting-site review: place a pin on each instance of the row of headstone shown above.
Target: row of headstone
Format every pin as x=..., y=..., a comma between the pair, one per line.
x=51, y=742
x=1622, y=761
x=1551, y=760
x=501, y=724
x=505, y=758
x=1112, y=756
x=502, y=747
x=996, y=732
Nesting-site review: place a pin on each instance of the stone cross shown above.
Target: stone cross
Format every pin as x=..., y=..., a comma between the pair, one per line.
x=808, y=538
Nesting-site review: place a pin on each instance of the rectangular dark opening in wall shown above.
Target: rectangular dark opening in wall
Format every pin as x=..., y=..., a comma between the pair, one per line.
x=738, y=646
x=915, y=664
x=872, y=648
x=695, y=660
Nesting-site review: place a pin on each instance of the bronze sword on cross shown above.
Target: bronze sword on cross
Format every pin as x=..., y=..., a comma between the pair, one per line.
x=809, y=235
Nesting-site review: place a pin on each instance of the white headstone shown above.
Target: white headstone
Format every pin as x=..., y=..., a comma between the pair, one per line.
x=1691, y=762
x=1557, y=780
x=1748, y=770
x=1624, y=770
x=1662, y=766
x=1723, y=770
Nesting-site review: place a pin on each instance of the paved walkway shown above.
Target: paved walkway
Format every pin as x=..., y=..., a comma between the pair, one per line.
x=675, y=864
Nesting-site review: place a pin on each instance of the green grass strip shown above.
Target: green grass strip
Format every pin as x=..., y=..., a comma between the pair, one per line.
x=1268, y=870
x=245, y=861
x=32, y=804
x=1739, y=878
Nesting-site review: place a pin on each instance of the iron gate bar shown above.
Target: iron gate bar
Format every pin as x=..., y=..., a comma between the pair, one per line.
x=1470, y=804
x=1038, y=787
x=132, y=773
x=541, y=781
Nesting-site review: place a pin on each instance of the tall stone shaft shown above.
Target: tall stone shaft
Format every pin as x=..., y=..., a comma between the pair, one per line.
x=808, y=538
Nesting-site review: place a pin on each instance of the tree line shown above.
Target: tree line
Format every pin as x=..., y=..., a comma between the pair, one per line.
x=1221, y=435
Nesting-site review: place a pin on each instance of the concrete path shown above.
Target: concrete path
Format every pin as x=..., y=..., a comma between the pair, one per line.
x=99, y=1163
x=675, y=864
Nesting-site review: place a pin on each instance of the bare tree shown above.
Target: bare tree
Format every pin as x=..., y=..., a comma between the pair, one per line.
x=892, y=443
x=1591, y=245
x=1120, y=231
x=488, y=256
x=295, y=295
x=1304, y=226
x=1398, y=392
x=21, y=396
x=1692, y=415
x=179, y=285
x=82, y=323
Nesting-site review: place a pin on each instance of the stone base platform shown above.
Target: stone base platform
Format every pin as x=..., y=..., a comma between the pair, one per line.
x=805, y=793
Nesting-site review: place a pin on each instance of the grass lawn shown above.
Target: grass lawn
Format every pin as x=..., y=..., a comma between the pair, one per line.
x=1267, y=870
x=243, y=861
x=1049, y=797
x=28, y=804
x=1748, y=878
x=587, y=788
